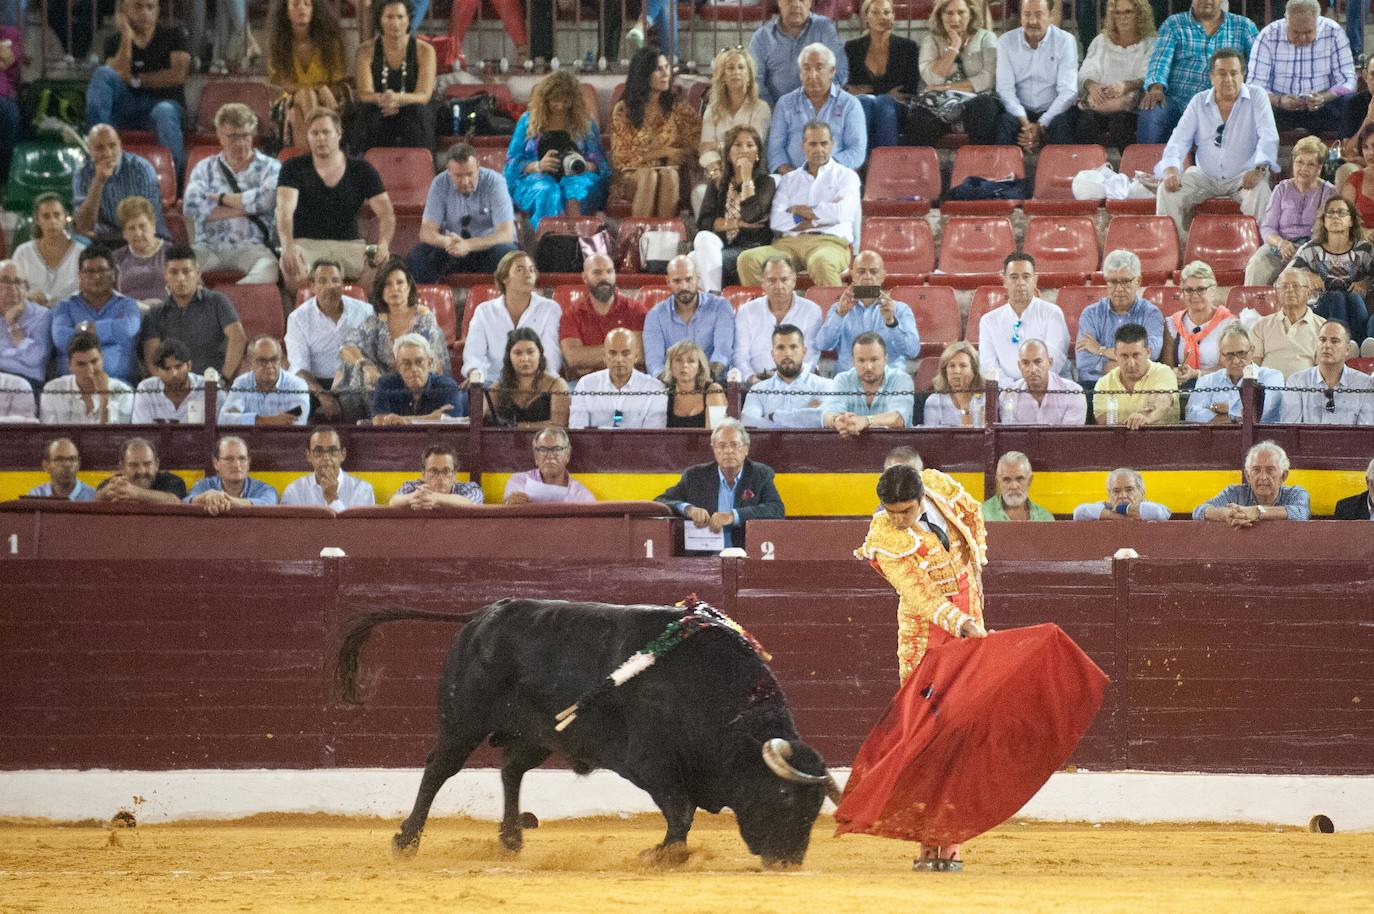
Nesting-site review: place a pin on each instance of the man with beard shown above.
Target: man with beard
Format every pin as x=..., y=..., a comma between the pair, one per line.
x=1039, y=396
x=584, y=326
x=791, y=396
x=138, y=477
x=871, y=394
x=328, y=485
x=757, y=321
x=618, y=396
x=201, y=318
x=1138, y=391
x=1263, y=496
x=174, y=393
x=61, y=461
x=689, y=313
x=1012, y=501
x=266, y=395
x=231, y=487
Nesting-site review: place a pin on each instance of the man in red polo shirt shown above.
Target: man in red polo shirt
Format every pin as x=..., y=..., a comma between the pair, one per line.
x=604, y=308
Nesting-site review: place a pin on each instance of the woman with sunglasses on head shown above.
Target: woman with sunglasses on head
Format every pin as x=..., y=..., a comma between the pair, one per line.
x=1341, y=256
x=731, y=101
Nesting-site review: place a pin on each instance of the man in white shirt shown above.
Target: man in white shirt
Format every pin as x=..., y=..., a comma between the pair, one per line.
x=1125, y=500
x=1037, y=81
x=1025, y=316
x=266, y=395
x=1330, y=392
x=757, y=320
x=87, y=396
x=1230, y=130
x=815, y=213
x=328, y=485
x=791, y=396
x=315, y=333
x=174, y=393
x=16, y=399
x=618, y=396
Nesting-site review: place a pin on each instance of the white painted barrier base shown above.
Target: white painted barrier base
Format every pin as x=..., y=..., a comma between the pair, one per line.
x=1130, y=796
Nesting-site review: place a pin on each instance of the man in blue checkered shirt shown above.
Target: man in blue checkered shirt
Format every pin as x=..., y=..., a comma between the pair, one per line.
x=1180, y=60
x=1303, y=62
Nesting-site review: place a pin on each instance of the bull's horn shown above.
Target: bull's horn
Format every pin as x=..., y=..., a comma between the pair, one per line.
x=777, y=751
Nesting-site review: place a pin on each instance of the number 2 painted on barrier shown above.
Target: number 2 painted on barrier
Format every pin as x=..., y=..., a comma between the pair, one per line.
x=766, y=547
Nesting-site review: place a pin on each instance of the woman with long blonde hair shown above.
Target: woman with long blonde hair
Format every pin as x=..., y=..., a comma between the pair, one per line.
x=958, y=69
x=1113, y=73
x=543, y=180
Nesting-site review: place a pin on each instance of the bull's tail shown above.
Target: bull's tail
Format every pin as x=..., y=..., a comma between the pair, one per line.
x=351, y=645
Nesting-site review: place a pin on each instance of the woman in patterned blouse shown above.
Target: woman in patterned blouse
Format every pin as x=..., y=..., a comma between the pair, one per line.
x=654, y=134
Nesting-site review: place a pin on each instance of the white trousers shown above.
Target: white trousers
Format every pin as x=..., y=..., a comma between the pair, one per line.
x=255, y=261
x=1199, y=186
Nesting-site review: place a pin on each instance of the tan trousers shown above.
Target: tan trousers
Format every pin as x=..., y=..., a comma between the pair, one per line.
x=823, y=257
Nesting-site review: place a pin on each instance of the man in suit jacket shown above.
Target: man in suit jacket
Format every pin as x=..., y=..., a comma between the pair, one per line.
x=1358, y=507
x=726, y=494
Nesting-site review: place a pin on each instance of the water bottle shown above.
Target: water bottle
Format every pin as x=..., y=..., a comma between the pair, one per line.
x=617, y=419
x=195, y=406
x=1006, y=407
x=1112, y=408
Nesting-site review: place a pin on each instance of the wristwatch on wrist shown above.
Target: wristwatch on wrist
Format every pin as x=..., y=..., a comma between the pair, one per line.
x=135, y=82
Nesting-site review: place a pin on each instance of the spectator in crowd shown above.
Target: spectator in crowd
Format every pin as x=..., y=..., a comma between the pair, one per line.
x=556, y=128
x=231, y=199
x=652, y=16
x=903, y=456
x=1303, y=63
x=141, y=263
x=653, y=133
x=319, y=196
x=790, y=396
x=367, y=351
x=865, y=307
x=233, y=38
x=142, y=83
x=817, y=100
x=513, y=19
x=113, y=319
x=549, y=482
x=231, y=487
x=694, y=400
x=1037, y=81
x=468, y=224
x=689, y=313
x=138, y=477
x=1125, y=500
x=815, y=215
x=732, y=101
x=1216, y=398
x=1025, y=316
x=395, y=74
x=48, y=261
x=1230, y=129
x=1193, y=332
x=266, y=395
x=958, y=400
x=62, y=461
x=1123, y=305
x=884, y=73
x=758, y=318
x=1138, y=391
x=1113, y=74
x=1287, y=339
x=1181, y=60
x=583, y=327
x=11, y=65
x=1262, y=496
x=414, y=391
x=776, y=44
x=305, y=63
x=619, y=396
x=1330, y=392
x=1294, y=208
x=1341, y=257
x=1011, y=500
x=870, y=394
x=1359, y=506
x=86, y=396
x=174, y=393
x=1355, y=182
x=735, y=210
x=519, y=305
x=526, y=395
x=25, y=329
x=731, y=491
x=328, y=484
x=438, y=487
x=958, y=66
x=1039, y=396
x=1357, y=112
x=109, y=176
x=315, y=335
x=202, y=318
x=17, y=404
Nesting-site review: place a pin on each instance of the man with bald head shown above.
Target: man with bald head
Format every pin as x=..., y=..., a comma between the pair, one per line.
x=1330, y=392
x=857, y=311
x=62, y=461
x=584, y=326
x=689, y=313
x=618, y=396
x=110, y=175
x=1039, y=396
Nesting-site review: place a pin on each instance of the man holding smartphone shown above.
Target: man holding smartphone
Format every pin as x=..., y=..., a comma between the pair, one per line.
x=865, y=307
x=266, y=395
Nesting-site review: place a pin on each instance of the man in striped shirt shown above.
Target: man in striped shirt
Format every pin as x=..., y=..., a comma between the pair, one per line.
x=1303, y=63
x=110, y=175
x=1180, y=63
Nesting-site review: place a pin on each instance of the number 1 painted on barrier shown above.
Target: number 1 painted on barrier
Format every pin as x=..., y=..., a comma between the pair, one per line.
x=648, y=549
x=14, y=544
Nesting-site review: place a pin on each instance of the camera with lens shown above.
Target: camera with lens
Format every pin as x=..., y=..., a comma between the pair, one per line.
x=573, y=163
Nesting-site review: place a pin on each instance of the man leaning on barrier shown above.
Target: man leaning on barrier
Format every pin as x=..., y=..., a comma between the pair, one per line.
x=1262, y=496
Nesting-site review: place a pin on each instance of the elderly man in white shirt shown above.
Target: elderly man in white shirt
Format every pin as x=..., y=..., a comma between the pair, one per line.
x=315, y=332
x=1330, y=392
x=1025, y=316
x=328, y=484
x=757, y=319
x=792, y=396
x=618, y=396
x=1230, y=129
x=815, y=213
x=1037, y=81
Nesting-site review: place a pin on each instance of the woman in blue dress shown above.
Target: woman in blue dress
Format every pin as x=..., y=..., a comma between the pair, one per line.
x=555, y=164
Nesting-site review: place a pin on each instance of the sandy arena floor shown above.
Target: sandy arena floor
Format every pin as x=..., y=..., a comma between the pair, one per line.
x=331, y=864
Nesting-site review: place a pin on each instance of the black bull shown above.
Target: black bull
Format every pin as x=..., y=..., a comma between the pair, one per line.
x=705, y=727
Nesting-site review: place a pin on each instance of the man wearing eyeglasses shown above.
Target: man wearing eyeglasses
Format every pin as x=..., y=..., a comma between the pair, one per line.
x=1216, y=398
x=726, y=494
x=438, y=487
x=1123, y=305
x=1287, y=339
x=468, y=223
x=1359, y=506
x=1025, y=316
x=1262, y=496
x=328, y=484
x=1303, y=63
x=114, y=319
x=1330, y=392
x=549, y=482
x=1230, y=129
x=266, y=395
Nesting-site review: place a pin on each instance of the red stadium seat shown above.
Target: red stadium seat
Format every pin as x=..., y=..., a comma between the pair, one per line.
x=194, y=156
x=406, y=175
x=907, y=246
x=991, y=162
x=985, y=299
x=569, y=225
x=259, y=308
x=738, y=295
x=1073, y=299
x=569, y=296
x=1362, y=364
x=290, y=152
x=825, y=296
x=1264, y=299
x=651, y=295
x=926, y=371
x=902, y=181
x=351, y=289
x=1154, y=239
x=1224, y=243
x=937, y=315
x=216, y=93
x=439, y=299
x=617, y=92
x=164, y=165
x=1218, y=206
x=403, y=239
x=1137, y=157
x=1064, y=248
x=972, y=251
x=1168, y=298
x=176, y=227
x=493, y=157
x=1054, y=173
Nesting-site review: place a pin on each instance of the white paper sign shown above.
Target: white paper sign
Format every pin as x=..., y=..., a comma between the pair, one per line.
x=543, y=493
x=701, y=538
